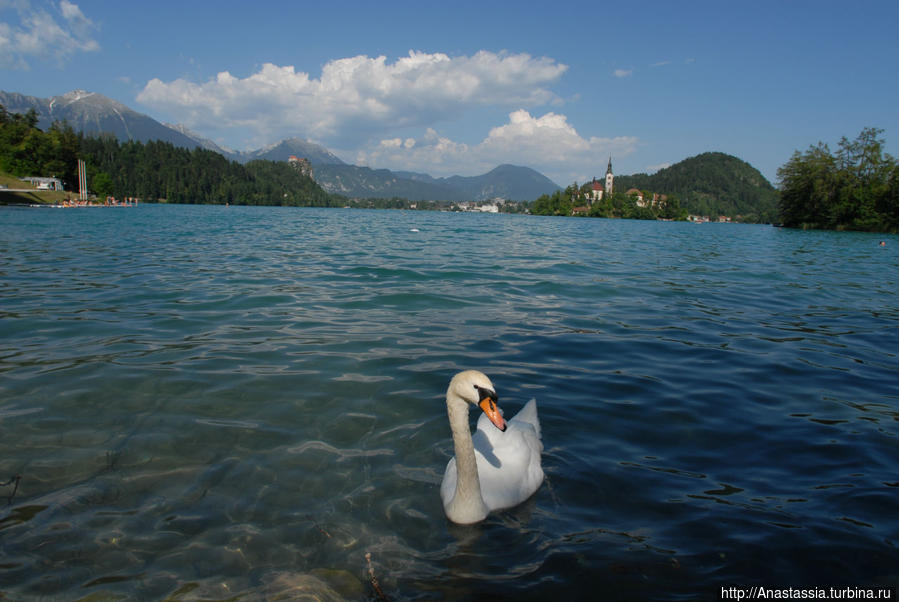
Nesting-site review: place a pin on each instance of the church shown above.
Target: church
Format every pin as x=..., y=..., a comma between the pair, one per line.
x=597, y=191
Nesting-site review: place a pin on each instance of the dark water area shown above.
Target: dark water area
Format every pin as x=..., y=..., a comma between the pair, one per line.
x=247, y=403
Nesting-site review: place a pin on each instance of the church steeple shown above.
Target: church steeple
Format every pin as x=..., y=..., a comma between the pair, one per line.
x=610, y=178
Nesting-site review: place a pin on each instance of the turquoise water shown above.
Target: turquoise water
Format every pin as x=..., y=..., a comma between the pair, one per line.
x=218, y=402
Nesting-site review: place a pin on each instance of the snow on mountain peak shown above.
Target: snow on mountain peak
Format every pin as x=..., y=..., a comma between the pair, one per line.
x=76, y=95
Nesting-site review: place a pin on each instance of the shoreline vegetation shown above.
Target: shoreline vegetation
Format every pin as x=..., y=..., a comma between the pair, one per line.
x=857, y=188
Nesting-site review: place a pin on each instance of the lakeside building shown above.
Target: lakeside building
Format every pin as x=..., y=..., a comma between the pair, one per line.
x=44, y=183
x=492, y=206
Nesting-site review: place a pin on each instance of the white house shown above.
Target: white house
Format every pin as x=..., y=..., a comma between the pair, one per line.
x=44, y=183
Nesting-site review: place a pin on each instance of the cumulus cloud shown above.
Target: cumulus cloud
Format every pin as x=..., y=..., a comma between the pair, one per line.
x=357, y=96
x=623, y=72
x=547, y=143
x=384, y=113
x=43, y=33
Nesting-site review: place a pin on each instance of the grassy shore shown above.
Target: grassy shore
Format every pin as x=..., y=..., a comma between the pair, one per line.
x=42, y=197
x=31, y=197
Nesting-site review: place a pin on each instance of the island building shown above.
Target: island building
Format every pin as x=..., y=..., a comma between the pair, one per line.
x=599, y=188
x=602, y=188
x=610, y=177
x=637, y=195
x=595, y=191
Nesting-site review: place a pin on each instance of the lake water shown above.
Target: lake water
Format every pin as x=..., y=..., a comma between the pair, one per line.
x=217, y=402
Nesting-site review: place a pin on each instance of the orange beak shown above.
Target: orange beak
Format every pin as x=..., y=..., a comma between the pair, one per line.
x=489, y=407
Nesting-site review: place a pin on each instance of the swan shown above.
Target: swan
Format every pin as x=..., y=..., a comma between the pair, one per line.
x=498, y=467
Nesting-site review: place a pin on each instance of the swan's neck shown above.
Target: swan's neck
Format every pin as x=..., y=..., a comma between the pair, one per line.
x=467, y=505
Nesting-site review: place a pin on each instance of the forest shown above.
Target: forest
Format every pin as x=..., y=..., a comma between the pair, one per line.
x=152, y=171
x=854, y=188
x=163, y=172
x=712, y=184
x=27, y=151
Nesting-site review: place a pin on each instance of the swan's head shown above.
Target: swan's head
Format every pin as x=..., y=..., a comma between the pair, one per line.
x=475, y=388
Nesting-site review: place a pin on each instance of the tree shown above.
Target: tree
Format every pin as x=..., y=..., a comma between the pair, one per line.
x=31, y=118
x=101, y=184
x=808, y=184
x=558, y=203
x=852, y=189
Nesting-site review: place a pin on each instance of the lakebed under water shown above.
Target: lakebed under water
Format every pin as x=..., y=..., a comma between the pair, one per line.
x=216, y=402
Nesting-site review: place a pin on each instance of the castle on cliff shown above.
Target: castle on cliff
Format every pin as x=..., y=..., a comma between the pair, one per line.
x=302, y=165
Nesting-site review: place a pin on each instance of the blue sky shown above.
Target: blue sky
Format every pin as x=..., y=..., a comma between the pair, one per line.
x=458, y=88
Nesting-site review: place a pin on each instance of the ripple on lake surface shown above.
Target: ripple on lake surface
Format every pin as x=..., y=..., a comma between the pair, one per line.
x=207, y=402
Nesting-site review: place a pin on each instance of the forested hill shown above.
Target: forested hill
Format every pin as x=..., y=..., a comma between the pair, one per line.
x=159, y=170
x=151, y=171
x=711, y=184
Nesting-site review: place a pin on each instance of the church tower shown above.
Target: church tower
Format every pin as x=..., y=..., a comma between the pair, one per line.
x=609, y=177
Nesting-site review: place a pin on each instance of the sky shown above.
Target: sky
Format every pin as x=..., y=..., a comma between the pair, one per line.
x=461, y=87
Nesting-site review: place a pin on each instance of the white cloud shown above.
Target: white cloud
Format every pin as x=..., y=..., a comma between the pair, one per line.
x=623, y=72
x=356, y=97
x=40, y=33
x=547, y=143
x=359, y=105
x=655, y=168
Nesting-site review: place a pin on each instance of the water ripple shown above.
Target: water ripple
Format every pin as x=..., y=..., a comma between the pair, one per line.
x=210, y=402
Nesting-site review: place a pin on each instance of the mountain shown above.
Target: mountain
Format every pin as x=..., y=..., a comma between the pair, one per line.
x=316, y=154
x=94, y=114
x=711, y=184
x=510, y=182
x=202, y=141
x=364, y=182
x=506, y=181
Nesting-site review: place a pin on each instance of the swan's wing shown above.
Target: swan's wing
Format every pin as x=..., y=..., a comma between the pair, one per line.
x=509, y=465
x=495, y=437
x=528, y=414
x=448, y=485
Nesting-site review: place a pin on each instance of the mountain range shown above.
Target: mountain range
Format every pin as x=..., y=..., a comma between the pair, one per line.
x=94, y=114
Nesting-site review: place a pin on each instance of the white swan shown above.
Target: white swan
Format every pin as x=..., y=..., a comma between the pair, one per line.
x=497, y=468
